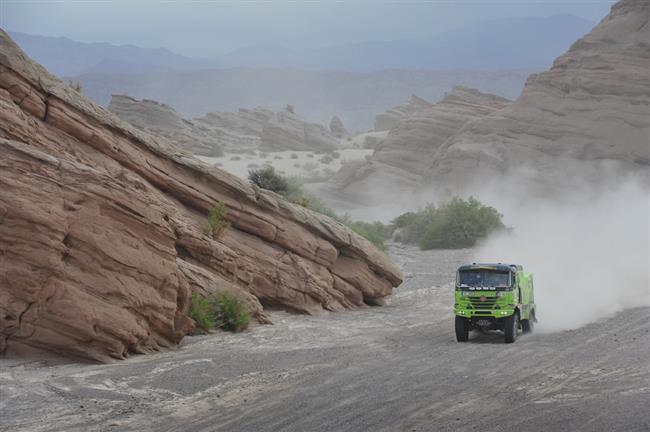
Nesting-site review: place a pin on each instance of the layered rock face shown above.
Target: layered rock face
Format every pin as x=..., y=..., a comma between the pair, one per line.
x=387, y=120
x=161, y=119
x=401, y=162
x=287, y=131
x=213, y=133
x=101, y=239
x=590, y=111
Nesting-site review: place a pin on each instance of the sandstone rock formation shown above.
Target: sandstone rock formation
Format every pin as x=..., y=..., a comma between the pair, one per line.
x=240, y=131
x=161, y=119
x=583, y=122
x=388, y=119
x=589, y=112
x=337, y=128
x=101, y=240
x=402, y=160
x=287, y=131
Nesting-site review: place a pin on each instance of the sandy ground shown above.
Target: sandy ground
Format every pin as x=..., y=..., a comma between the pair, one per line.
x=394, y=368
x=305, y=164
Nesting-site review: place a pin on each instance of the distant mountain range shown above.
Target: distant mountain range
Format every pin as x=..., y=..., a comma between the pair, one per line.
x=487, y=45
x=65, y=57
x=512, y=43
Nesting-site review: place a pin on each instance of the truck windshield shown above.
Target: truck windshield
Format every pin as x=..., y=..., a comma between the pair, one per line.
x=483, y=278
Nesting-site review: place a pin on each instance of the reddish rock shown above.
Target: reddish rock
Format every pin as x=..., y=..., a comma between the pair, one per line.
x=101, y=241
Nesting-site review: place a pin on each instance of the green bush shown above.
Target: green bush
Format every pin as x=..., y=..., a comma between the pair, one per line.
x=291, y=189
x=375, y=232
x=224, y=310
x=459, y=224
x=201, y=312
x=327, y=159
x=267, y=178
x=410, y=227
x=230, y=312
x=217, y=222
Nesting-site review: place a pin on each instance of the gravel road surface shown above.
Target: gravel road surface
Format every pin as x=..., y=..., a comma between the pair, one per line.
x=392, y=368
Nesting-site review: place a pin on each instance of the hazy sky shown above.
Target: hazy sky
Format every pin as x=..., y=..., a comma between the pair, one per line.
x=210, y=28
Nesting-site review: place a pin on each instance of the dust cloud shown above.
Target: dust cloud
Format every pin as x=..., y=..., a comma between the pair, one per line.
x=589, y=253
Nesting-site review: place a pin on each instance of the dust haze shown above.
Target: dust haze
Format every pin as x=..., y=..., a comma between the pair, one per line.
x=589, y=252
x=588, y=246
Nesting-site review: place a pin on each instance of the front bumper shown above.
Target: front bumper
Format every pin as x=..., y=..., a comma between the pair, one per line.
x=494, y=313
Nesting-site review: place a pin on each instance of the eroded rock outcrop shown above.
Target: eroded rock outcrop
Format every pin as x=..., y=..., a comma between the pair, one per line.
x=337, y=128
x=586, y=119
x=233, y=132
x=101, y=240
x=387, y=120
x=158, y=118
x=401, y=162
x=287, y=131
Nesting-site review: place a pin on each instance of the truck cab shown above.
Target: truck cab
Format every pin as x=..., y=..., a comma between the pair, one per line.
x=494, y=297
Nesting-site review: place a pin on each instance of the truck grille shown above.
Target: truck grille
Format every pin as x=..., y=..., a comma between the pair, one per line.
x=488, y=303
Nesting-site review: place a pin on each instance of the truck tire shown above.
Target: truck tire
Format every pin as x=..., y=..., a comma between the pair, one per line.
x=462, y=329
x=511, y=327
x=527, y=326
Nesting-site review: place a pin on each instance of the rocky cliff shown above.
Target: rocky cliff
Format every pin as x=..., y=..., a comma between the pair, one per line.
x=587, y=117
x=400, y=164
x=101, y=240
x=388, y=119
x=240, y=131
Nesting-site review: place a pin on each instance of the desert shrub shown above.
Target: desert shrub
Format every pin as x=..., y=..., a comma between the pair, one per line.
x=375, y=232
x=267, y=178
x=294, y=156
x=235, y=158
x=252, y=165
x=291, y=189
x=263, y=155
x=230, y=312
x=297, y=165
x=335, y=155
x=461, y=223
x=310, y=167
x=201, y=312
x=277, y=157
x=458, y=223
x=217, y=222
x=223, y=310
x=310, y=155
x=327, y=159
x=410, y=227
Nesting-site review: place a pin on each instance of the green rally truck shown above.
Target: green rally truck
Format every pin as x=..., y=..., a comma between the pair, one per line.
x=494, y=297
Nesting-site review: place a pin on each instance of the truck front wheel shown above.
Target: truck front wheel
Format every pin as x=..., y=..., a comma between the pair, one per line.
x=462, y=329
x=511, y=327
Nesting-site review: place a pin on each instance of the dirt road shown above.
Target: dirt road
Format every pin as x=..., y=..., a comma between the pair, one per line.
x=395, y=368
